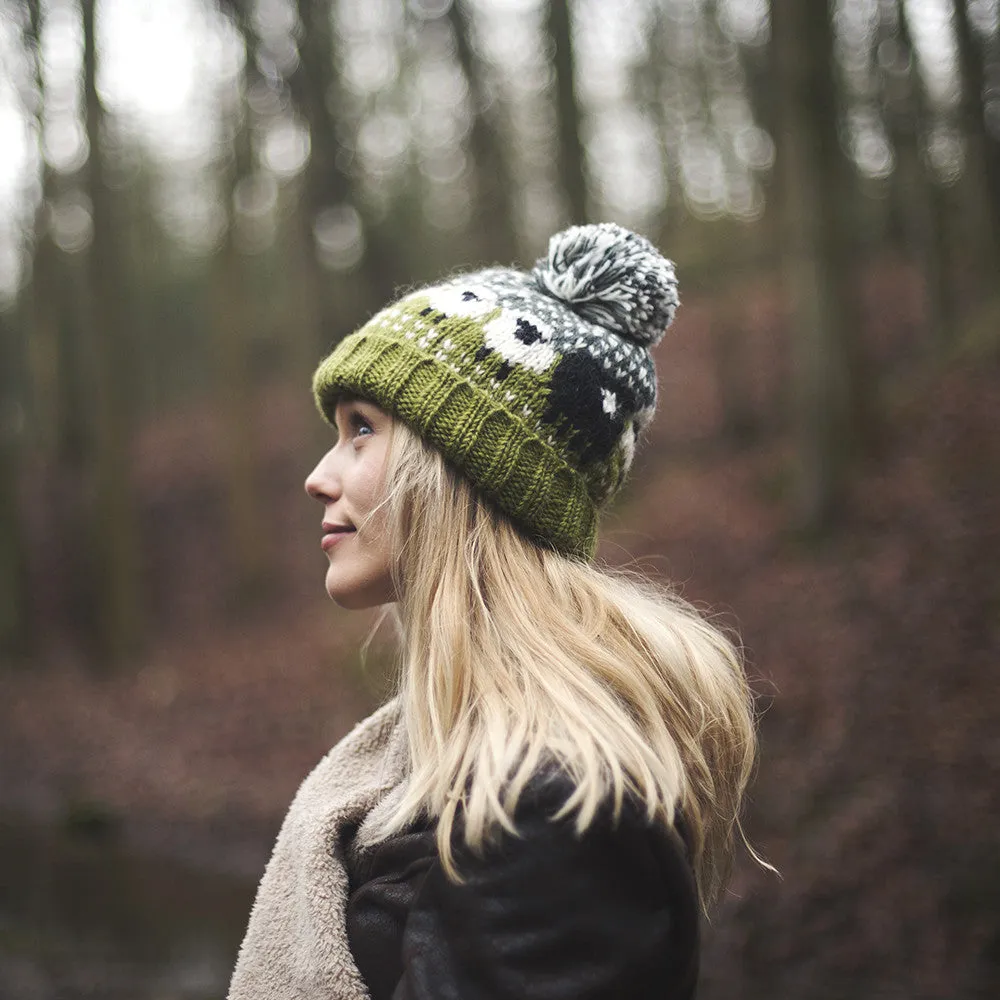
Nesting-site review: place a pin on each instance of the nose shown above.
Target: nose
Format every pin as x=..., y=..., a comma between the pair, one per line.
x=322, y=483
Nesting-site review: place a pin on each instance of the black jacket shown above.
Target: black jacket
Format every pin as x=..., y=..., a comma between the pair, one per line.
x=547, y=916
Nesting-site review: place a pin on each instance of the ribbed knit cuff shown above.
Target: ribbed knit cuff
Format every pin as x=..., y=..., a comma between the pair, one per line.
x=514, y=468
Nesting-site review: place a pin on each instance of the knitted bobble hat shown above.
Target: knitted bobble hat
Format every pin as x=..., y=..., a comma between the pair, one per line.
x=535, y=385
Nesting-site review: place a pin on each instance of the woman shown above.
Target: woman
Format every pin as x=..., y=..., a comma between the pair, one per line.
x=553, y=794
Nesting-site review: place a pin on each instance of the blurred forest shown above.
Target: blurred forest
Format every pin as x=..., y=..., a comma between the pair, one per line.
x=199, y=198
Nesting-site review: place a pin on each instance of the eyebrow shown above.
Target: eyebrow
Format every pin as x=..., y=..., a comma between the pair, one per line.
x=349, y=398
x=355, y=403
x=351, y=403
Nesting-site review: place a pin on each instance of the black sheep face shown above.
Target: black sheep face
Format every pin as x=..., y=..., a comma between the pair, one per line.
x=588, y=406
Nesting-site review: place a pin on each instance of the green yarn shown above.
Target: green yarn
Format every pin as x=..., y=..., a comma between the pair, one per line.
x=512, y=466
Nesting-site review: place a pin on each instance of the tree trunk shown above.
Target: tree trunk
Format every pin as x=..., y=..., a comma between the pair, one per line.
x=648, y=85
x=314, y=87
x=982, y=180
x=572, y=174
x=493, y=221
x=56, y=399
x=44, y=292
x=232, y=330
x=817, y=204
x=313, y=322
x=116, y=565
x=15, y=630
x=916, y=192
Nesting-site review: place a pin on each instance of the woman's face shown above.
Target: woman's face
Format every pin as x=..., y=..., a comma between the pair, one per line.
x=349, y=483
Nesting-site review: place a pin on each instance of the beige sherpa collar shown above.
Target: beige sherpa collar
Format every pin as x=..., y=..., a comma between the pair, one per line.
x=296, y=947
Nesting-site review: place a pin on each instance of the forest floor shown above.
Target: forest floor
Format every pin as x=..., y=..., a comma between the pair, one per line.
x=875, y=655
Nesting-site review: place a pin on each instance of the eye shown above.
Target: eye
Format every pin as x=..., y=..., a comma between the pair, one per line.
x=358, y=424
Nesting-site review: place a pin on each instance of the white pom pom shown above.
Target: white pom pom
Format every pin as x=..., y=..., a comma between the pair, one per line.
x=612, y=277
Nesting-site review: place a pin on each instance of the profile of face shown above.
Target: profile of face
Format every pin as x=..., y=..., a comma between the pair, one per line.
x=349, y=482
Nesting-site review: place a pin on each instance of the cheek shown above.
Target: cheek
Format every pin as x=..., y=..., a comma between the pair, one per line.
x=370, y=480
x=359, y=575
x=368, y=495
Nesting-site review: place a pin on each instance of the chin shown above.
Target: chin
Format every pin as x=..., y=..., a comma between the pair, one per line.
x=351, y=602
x=359, y=596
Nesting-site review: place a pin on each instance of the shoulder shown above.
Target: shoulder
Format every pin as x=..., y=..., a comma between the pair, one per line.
x=547, y=792
x=641, y=854
x=611, y=911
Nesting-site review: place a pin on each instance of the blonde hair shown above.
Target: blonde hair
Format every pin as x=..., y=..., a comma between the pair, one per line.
x=512, y=655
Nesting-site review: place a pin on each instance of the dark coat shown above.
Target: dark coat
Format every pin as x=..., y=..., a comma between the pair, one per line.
x=546, y=916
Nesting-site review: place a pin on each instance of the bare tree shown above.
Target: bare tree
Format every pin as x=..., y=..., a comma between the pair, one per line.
x=14, y=598
x=915, y=191
x=116, y=571
x=983, y=157
x=831, y=411
x=15, y=630
x=315, y=87
x=232, y=326
x=572, y=175
x=493, y=218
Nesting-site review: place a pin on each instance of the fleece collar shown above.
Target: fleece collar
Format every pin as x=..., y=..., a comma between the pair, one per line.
x=296, y=946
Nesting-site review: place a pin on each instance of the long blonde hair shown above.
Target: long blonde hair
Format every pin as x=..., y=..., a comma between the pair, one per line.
x=512, y=654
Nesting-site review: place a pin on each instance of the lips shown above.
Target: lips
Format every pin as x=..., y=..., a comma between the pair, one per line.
x=333, y=533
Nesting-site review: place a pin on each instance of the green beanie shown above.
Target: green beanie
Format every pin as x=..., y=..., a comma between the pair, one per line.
x=534, y=385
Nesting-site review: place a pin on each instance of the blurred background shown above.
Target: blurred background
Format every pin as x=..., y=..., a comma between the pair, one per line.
x=198, y=198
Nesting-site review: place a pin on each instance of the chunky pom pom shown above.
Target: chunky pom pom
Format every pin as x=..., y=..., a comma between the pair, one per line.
x=612, y=277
